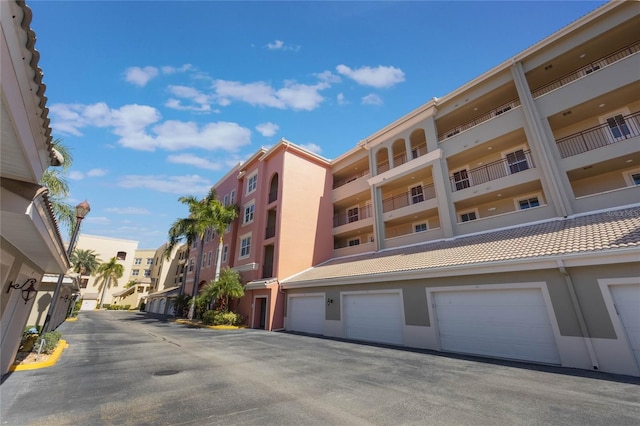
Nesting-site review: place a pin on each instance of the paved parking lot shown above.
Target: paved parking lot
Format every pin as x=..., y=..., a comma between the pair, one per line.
x=131, y=368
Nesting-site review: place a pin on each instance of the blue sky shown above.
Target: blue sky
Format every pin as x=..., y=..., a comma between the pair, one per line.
x=158, y=99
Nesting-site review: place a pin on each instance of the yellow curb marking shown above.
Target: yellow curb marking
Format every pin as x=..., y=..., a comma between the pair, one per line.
x=62, y=345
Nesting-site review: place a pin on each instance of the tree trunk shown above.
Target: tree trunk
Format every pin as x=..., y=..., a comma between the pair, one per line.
x=219, y=260
x=104, y=290
x=196, y=278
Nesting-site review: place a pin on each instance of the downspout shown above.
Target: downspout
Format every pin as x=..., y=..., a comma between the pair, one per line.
x=576, y=306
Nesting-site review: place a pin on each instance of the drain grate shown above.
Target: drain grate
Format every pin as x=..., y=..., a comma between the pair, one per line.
x=166, y=372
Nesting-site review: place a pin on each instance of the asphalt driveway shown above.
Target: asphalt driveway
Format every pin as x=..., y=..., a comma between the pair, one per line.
x=127, y=368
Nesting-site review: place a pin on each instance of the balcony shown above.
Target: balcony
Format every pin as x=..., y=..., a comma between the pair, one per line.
x=418, y=195
x=616, y=130
x=588, y=69
x=480, y=119
x=514, y=163
x=273, y=196
x=342, y=182
x=352, y=215
x=270, y=232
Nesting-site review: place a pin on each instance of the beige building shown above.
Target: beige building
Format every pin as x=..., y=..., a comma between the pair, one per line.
x=166, y=279
x=91, y=289
x=502, y=219
x=31, y=245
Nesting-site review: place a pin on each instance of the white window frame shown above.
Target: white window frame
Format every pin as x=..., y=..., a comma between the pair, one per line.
x=416, y=224
x=225, y=202
x=355, y=208
x=232, y=196
x=225, y=253
x=149, y=260
x=147, y=273
x=463, y=212
x=252, y=212
x=538, y=195
x=241, y=247
x=356, y=242
x=628, y=176
x=603, y=120
x=421, y=194
x=252, y=182
x=135, y=272
x=468, y=180
x=137, y=261
x=513, y=150
x=209, y=258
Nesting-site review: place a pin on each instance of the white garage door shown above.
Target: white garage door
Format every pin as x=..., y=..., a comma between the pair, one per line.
x=627, y=300
x=511, y=323
x=373, y=317
x=306, y=314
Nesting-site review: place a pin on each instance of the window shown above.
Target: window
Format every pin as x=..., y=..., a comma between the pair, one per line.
x=232, y=197
x=228, y=229
x=84, y=282
x=618, y=127
x=137, y=261
x=191, y=262
x=245, y=246
x=252, y=183
x=528, y=203
x=352, y=215
x=225, y=252
x=140, y=289
x=226, y=200
x=461, y=179
x=149, y=261
x=355, y=242
x=248, y=213
x=517, y=161
x=635, y=178
x=147, y=272
x=419, y=227
x=204, y=260
x=135, y=272
x=632, y=177
x=122, y=255
x=209, y=259
x=468, y=216
x=417, y=194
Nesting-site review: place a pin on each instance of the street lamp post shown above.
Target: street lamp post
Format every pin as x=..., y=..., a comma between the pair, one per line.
x=82, y=210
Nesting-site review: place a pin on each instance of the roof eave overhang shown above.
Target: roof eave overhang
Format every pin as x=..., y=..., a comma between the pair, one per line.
x=626, y=255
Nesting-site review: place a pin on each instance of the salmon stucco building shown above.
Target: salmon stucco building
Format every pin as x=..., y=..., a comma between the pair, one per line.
x=500, y=220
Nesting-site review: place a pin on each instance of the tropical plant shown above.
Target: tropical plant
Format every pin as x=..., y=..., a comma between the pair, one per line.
x=109, y=272
x=228, y=285
x=181, y=304
x=54, y=180
x=182, y=230
x=203, y=214
x=224, y=216
x=130, y=283
x=85, y=262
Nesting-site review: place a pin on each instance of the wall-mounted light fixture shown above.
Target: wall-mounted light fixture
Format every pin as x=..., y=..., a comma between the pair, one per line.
x=28, y=289
x=329, y=301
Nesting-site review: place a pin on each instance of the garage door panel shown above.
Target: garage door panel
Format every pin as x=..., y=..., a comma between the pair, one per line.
x=627, y=301
x=374, y=317
x=307, y=314
x=508, y=323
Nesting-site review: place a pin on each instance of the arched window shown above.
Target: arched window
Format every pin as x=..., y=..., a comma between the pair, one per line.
x=273, y=189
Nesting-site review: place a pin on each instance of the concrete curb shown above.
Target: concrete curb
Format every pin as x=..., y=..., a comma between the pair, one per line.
x=55, y=356
x=213, y=327
x=71, y=319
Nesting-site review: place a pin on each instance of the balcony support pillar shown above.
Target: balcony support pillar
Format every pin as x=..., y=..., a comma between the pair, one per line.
x=446, y=210
x=378, y=217
x=554, y=181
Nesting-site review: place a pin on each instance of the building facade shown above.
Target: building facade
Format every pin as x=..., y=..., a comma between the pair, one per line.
x=501, y=220
x=31, y=245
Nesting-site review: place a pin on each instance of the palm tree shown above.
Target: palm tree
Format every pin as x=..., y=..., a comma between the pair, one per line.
x=108, y=272
x=182, y=230
x=54, y=180
x=203, y=214
x=228, y=285
x=85, y=262
x=224, y=215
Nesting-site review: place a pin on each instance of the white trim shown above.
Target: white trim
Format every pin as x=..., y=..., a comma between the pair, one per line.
x=611, y=114
x=240, y=239
x=467, y=211
x=253, y=174
x=627, y=176
x=424, y=222
x=458, y=169
x=538, y=195
x=513, y=150
x=244, y=212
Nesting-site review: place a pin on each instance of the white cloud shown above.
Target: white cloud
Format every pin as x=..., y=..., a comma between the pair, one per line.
x=75, y=175
x=372, y=99
x=328, y=77
x=98, y=220
x=194, y=160
x=267, y=129
x=190, y=184
x=202, y=101
x=174, y=70
x=128, y=210
x=293, y=95
x=97, y=172
x=131, y=123
x=281, y=45
x=312, y=147
x=379, y=76
x=341, y=100
x=140, y=76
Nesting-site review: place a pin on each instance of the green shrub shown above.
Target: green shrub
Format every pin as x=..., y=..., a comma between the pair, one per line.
x=51, y=339
x=105, y=306
x=222, y=318
x=142, y=306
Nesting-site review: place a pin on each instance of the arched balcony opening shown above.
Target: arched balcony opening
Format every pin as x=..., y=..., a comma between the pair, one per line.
x=273, y=189
x=399, y=150
x=382, y=160
x=418, y=141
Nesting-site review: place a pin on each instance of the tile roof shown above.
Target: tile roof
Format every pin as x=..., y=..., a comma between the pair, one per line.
x=599, y=232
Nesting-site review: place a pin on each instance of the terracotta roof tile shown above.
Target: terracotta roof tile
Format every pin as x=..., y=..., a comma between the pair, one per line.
x=598, y=232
